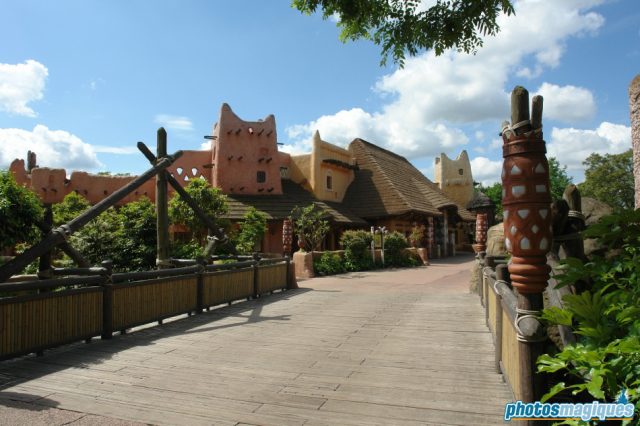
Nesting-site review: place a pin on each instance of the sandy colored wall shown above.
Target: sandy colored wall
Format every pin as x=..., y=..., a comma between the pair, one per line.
x=457, y=186
x=341, y=177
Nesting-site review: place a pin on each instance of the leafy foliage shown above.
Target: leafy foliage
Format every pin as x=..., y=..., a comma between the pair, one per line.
x=126, y=235
x=494, y=192
x=417, y=236
x=609, y=178
x=19, y=210
x=71, y=206
x=252, y=230
x=98, y=239
x=357, y=250
x=558, y=178
x=403, y=27
x=329, y=264
x=211, y=200
x=394, y=245
x=137, y=236
x=606, y=359
x=310, y=226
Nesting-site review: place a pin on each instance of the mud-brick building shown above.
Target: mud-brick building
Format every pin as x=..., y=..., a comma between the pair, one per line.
x=358, y=187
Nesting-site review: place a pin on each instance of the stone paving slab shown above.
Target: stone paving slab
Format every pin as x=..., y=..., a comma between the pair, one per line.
x=395, y=347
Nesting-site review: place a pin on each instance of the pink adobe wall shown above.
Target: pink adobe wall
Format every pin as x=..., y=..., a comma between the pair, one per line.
x=241, y=149
x=52, y=185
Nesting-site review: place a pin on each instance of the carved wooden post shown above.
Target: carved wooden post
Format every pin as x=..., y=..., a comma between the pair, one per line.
x=430, y=237
x=481, y=233
x=634, y=107
x=527, y=224
x=287, y=236
x=162, y=210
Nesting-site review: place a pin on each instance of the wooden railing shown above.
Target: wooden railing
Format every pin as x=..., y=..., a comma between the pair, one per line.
x=43, y=314
x=499, y=301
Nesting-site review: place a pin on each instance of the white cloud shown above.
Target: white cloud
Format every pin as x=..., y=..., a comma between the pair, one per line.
x=433, y=95
x=123, y=150
x=568, y=103
x=54, y=148
x=21, y=84
x=486, y=171
x=174, y=122
x=572, y=146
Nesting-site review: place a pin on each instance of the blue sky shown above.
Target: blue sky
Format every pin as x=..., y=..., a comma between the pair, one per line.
x=82, y=81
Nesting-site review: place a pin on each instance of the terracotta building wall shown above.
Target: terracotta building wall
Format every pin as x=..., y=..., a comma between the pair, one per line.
x=52, y=185
x=245, y=155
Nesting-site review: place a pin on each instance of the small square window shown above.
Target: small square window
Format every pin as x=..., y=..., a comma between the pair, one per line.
x=460, y=172
x=261, y=177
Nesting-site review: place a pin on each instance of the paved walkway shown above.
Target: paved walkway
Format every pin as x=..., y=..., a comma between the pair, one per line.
x=397, y=347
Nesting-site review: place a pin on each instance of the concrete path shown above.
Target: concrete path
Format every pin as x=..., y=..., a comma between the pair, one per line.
x=402, y=347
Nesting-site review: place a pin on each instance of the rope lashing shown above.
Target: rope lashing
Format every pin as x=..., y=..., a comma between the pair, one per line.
x=164, y=262
x=507, y=128
x=520, y=315
x=63, y=231
x=495, y=285
x=577, y=214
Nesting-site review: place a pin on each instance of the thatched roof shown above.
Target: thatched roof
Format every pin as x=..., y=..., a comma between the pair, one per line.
x=387, y=184
x=280, y=206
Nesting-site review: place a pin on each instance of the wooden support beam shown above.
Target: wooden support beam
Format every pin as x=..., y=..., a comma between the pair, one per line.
x=60, y=234
x=162, y=205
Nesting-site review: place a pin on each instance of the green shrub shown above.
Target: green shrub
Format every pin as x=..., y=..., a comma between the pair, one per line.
x=329, y=264
x=357, y=250
x=394, y=254
x=606, y=318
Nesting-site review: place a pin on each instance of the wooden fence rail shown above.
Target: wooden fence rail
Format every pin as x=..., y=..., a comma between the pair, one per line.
x=499, y=301
x=71, y=309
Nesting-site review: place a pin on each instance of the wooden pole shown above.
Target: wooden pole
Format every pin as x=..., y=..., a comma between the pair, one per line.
x=162, y=206
x=44, y=267
x=527, y=226
x=59, y=235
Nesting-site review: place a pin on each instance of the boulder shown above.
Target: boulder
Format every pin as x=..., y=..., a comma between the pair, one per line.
x=495, y=241
x=593, y=210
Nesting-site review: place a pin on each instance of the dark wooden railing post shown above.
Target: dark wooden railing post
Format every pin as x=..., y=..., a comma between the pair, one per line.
x=200, y=286
x=527, y=227
x=256, y=283
x=107, y=301
x=502, y=276
x=44, y=267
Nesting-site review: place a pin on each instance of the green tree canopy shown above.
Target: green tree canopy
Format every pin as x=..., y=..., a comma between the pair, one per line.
x=609, y=178
x=252, y=230
x=310, y=226
x=558, y=178
x=211, y=200
x=403, y=27
x=71, y=206
x=19, y=210
x=494, y=192
x=137, y=236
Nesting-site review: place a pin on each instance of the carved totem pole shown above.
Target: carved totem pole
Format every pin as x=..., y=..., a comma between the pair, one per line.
x=525, y=195
x=481, y=233
x=287, y=236
x=430, y=237
x=526, y=201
